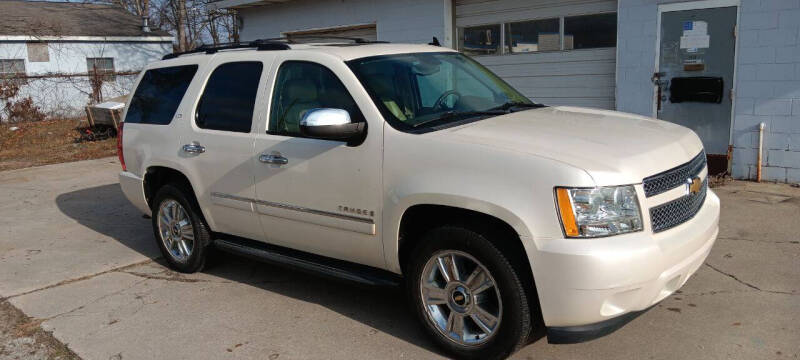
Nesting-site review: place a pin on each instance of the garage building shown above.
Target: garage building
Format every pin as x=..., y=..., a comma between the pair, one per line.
x=720, y=67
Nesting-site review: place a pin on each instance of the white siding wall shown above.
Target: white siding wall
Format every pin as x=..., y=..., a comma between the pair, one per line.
x=571, y=77
x=67, y=96
x=413, y=21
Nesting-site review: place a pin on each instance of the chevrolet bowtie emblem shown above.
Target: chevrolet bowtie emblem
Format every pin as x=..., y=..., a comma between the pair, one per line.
x=693, y=185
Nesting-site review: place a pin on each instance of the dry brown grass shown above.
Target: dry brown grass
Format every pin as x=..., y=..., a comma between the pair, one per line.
x=48, y=142
x=22, y=337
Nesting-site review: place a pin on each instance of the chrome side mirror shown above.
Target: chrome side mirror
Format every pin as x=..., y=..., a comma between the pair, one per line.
x=331, y=124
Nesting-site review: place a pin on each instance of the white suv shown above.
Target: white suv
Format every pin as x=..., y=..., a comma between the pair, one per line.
x=384, y=162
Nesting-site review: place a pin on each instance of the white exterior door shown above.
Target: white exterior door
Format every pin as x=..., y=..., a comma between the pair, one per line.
x=695, y=76
x=313, y=195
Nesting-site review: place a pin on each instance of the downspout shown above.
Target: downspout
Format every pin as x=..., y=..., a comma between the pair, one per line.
x=760, y=149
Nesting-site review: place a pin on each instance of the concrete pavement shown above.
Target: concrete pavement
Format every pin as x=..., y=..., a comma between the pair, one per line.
x=75, y=255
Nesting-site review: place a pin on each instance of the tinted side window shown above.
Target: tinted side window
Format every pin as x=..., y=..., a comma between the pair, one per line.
x=159, y=93
x=302, y=86
x=229, y=97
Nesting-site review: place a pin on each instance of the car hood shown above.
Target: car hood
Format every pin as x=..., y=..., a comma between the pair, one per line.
x=614, y=148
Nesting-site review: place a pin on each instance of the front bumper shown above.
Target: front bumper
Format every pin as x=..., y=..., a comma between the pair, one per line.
x=585, y=284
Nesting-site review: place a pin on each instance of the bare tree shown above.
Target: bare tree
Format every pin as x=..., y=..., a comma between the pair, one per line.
x=137, y=7
x=192, y=22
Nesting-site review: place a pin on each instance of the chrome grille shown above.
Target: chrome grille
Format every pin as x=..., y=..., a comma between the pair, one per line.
x=672, y=178
x=678, y=211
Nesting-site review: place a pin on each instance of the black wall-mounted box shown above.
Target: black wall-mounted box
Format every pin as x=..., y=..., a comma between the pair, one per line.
x=703, y=89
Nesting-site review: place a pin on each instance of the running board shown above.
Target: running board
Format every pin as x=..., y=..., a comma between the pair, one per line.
x=307, y=262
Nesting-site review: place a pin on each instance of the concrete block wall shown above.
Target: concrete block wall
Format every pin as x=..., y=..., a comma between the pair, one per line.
x=637, y=22
x=767, y=84
x=768, y=90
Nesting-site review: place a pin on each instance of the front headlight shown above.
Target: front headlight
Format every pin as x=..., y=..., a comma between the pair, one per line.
x=599, y=211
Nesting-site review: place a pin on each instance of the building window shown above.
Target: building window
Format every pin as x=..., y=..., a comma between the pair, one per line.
x=562, y=33
x=38, y=52
x=480, y=40
x=103, y=67
x=13, y=69
x=530, y=36
x=590, y=31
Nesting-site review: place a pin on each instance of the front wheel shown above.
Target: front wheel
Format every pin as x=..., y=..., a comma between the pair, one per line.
x=468, y=295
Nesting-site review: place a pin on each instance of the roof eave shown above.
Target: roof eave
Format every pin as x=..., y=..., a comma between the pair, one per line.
x=241, y=4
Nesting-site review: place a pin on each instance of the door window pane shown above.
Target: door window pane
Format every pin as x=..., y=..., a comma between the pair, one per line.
x=590, y=31
x=530, y=36
x=229, y=97
x=480, y=40
x=302, y=86
x=159, y=93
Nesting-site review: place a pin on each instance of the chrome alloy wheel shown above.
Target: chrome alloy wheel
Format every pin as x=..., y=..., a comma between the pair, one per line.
x=175, y=228
x=461, y=298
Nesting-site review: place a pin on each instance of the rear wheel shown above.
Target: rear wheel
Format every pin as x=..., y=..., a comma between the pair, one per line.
x=180, y=230
x=468, y=295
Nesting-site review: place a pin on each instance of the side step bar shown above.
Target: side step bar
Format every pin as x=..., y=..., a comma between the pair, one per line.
x=306, y=262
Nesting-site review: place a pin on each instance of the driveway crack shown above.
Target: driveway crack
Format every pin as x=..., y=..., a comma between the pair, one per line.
x=85, y=277
x=747, y=283
x=760, y=241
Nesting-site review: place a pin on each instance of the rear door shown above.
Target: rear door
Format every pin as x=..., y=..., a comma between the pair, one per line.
x=219, y=146
x=695, y=76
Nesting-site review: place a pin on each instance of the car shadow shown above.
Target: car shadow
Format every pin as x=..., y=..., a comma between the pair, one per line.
x=106, y=210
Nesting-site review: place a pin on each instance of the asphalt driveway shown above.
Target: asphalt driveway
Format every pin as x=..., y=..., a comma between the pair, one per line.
x=75, y=256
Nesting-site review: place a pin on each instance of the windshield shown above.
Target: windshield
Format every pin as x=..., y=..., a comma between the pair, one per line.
x=425, y=90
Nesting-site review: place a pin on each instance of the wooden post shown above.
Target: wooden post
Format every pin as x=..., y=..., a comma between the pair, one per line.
x=114, y=119
x=89, y=117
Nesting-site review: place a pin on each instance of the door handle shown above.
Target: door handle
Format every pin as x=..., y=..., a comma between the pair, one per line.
x=194, y=148
x=273, y=159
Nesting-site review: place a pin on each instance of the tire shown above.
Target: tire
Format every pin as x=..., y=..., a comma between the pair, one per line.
x=462, y=297
x=184, y=247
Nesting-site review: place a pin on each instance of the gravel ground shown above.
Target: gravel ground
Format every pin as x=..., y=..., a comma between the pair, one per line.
x=22, y=338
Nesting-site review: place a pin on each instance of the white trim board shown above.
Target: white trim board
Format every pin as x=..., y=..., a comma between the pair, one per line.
x=694, y=5
x=87, y=38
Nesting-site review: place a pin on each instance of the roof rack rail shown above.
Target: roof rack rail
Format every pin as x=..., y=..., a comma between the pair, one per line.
x=260, y=44
x=292, y=39
x=281, y=43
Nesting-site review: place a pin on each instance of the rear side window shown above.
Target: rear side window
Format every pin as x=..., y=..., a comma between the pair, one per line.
x=229, y=97
x=159, y=93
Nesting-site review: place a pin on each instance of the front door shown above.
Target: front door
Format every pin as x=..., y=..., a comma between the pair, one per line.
x=695, y=76
x=314, y=195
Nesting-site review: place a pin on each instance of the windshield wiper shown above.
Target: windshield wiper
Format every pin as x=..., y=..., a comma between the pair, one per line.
x=463, y=114
x=516, y=104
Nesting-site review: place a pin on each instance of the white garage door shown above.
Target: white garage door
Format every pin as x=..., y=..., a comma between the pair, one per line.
x=364, y=31
x=555, y=52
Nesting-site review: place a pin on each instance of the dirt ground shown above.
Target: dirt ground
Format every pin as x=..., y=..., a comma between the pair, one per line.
x=48, y=142
x=22, y=338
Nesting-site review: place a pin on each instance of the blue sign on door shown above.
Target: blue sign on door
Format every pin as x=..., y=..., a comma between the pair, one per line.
x=687, y=25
